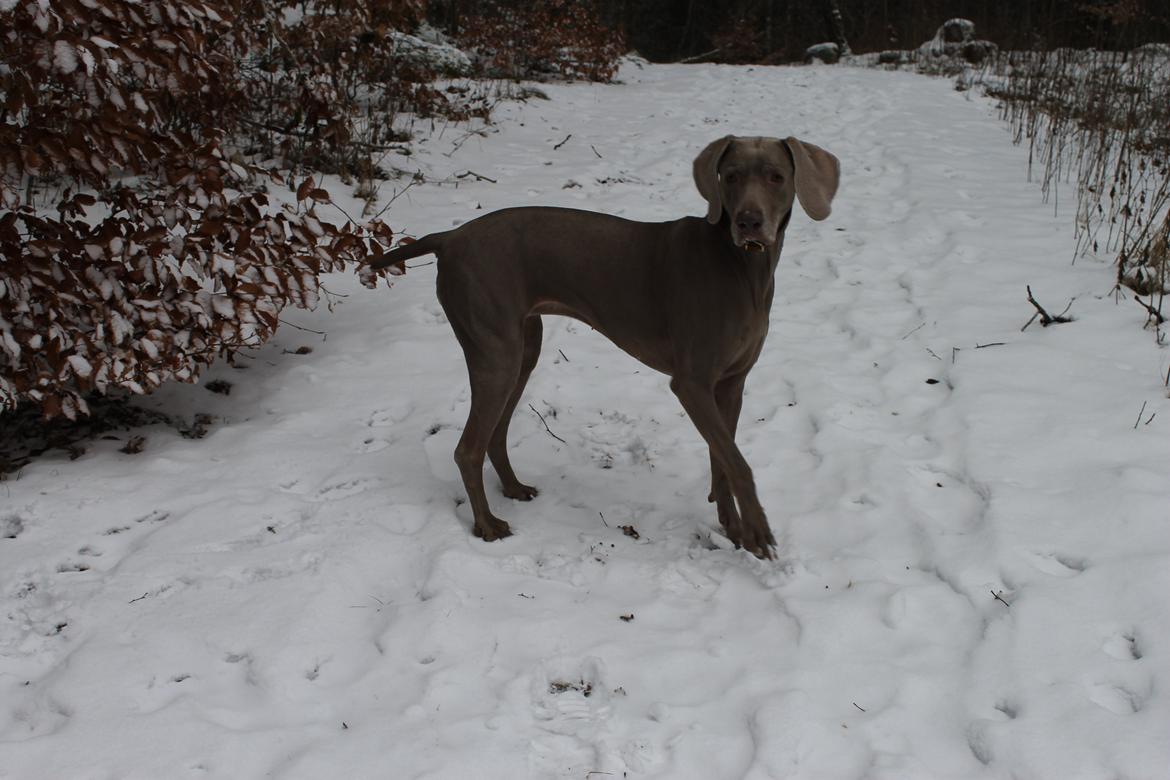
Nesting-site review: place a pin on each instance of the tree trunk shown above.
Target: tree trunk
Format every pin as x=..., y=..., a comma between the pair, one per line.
x=838, y=24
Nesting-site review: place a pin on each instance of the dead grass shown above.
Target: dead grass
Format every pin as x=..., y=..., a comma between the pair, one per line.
x=1097, y=125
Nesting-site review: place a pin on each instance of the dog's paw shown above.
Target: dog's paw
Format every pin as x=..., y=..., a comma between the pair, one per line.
x=760, y=542
x=520, y=491
x=493, y=529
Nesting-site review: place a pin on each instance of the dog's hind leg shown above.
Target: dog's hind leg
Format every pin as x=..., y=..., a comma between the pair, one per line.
x=493, y=344
x=492, y=381
x=498, y=447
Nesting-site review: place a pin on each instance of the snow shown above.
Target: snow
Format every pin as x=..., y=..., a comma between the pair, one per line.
x=64, y=56
x=80, y=365
x=975, y=570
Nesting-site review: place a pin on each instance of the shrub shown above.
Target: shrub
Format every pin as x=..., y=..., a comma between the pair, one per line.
x=1103, y=119
x=322, y=83
x=543, y=38
x=138, y=245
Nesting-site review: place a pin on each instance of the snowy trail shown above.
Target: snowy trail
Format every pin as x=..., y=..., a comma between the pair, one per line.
x=298, y=595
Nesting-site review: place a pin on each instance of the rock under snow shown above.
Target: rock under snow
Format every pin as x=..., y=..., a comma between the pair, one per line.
x=442, y=57
x=823, y=52
x=955, y=40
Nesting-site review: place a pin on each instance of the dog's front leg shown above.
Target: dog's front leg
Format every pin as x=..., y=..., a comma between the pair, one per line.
x=751, y=531
x=729, y=399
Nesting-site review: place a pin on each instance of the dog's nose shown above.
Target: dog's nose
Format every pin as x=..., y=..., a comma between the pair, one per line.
x=749, y=220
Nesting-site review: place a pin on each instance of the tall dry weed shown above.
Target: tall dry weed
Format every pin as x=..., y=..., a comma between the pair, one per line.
x=1098, y=122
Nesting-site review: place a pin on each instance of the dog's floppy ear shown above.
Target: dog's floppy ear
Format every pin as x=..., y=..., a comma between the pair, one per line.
x=707, y=176
x=817, y=175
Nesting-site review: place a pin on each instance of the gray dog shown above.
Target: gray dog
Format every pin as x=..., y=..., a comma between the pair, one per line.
x=689, y=298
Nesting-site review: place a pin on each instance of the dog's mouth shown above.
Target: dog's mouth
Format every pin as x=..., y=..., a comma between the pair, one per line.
x=752, y=245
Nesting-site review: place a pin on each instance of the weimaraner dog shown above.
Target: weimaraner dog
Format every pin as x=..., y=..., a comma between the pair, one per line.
x=689, y=298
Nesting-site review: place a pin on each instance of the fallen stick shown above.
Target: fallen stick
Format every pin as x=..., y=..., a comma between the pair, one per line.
x=1155, y=314
x=550, y=433
x=478, y=176
x=1140, y=413
x=1046, y=319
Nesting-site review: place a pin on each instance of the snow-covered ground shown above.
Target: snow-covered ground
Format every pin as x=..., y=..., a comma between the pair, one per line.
x=978, y=539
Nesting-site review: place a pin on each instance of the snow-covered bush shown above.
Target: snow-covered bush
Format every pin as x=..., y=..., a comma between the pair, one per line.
x=323, y=82
x=136, y=243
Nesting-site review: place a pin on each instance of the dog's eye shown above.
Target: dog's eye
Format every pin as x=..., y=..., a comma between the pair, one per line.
x=777, y=178
x=731, y=178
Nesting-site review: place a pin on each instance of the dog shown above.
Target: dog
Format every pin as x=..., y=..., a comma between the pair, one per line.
x=689, y=298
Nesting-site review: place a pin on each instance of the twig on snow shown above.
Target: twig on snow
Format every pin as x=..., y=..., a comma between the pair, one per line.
x=562, y=143
x=1046, y=319
x=700, y=57
x=1000, y=599
x=463, y=139
x=478, y=176
x=594, y=148
x=1155, y=314
x=321, y=333
x=550, y=433
x=911, y=333
x=1140, y=413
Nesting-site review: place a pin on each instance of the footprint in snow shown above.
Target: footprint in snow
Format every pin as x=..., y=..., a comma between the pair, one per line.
x=157, y=516
x=1129, y=685
x=1123, y=647
x=572, y=702
x=35, y=620
x=569, y=696
x=371, y=444
x=430, y=313
x=344, y=489
x=978, y=740
x=161, y=692
x=39, y=714
x=1055, y=564
x=11, y=526
x=293, y=487
x=1008, y=708
x=392, y=415
x=1118, y=698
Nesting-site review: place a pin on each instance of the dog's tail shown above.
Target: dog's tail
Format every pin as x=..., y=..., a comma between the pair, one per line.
x=424, y=246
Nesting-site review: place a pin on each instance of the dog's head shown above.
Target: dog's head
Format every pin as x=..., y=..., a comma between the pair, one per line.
x=755, y=181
